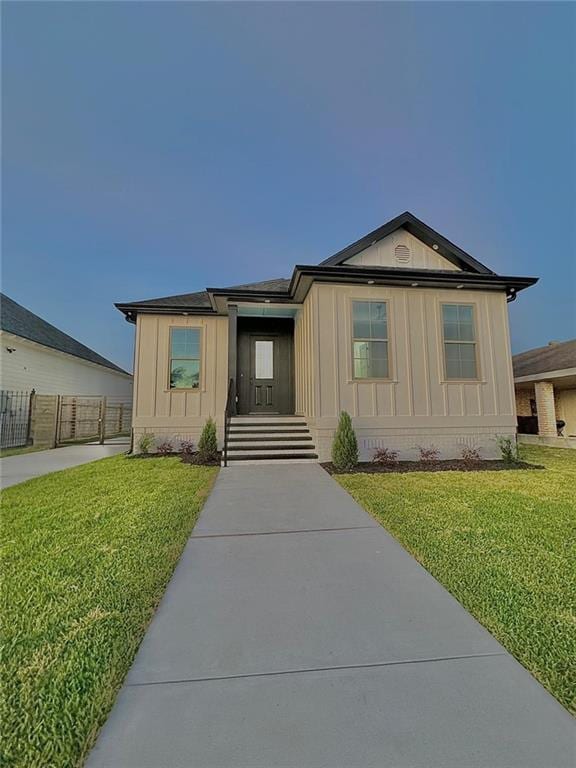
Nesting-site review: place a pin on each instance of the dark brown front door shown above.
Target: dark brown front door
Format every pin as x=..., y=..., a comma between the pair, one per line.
x=265, y=372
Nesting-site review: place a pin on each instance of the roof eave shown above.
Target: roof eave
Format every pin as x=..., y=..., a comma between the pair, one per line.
x=394, y=276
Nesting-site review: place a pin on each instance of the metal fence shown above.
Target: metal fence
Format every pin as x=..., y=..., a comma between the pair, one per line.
x=84, y=418
x=15, y=410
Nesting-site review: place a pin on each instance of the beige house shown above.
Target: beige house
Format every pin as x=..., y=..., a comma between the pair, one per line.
x=545, y=381
x=402, y=329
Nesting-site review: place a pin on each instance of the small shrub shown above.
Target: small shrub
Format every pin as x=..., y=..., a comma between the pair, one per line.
x=345, y=445
x=470, y=456
x=428, y=455
x=385, y=457
x=186, y=448
x=208, y=443
x=145, y=442
x=165, y=448
x=508, y=449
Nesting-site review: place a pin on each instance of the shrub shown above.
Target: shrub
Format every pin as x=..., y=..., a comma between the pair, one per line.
x=145, y=442
x=345, y=445
x=508, y=449
x=470, y=455
x=208, y=443
x=428, y=455
x=186, y=448
x=385, y=456
x=165, y=448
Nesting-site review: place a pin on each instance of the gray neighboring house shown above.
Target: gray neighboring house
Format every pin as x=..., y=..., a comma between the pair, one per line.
x=37, y=355
x=545, y=383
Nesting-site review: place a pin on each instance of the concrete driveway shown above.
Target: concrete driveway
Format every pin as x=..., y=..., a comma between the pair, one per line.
x=17, y=469
x=297, y=633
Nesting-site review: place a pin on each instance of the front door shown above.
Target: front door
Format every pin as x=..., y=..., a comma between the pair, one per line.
x=265, y=373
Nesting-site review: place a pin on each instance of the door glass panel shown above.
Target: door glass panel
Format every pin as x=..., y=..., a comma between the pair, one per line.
x=264, y=353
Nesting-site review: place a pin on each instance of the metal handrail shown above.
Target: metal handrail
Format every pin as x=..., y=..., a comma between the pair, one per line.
x=228, y=413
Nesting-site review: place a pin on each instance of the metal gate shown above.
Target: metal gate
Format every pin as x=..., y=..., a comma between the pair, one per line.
x=15, y=409
x=83, y=419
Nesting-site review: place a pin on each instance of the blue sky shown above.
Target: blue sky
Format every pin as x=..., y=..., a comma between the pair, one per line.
x=156, y=148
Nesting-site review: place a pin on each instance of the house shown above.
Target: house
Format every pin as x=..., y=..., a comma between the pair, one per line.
x=402, y=329
x=36, y=355
x=545, y=382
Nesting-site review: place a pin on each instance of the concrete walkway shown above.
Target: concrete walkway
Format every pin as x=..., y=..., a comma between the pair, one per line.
x=17, y=469
x=297, y=633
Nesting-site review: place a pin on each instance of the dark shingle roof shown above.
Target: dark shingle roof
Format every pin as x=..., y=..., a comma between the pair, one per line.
x=275, y=285
x=201, y=299
x=556, y=356
x=198, y=299
x=19, y=321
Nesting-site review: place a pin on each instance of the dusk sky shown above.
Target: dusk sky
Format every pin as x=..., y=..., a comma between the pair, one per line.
x=158, y=148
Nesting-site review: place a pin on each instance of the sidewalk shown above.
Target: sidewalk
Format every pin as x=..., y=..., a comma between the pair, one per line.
x=297, y=632
x=17, y=469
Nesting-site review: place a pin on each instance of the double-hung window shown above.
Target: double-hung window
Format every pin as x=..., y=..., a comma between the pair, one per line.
x=185, y=358
x=370, y=343
x=460, y=353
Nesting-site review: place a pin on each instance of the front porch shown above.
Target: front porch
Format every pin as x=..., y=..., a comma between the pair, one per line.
x=546, y=411
x=261, y=424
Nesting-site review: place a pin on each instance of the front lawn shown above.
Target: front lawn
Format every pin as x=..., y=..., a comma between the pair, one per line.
x=87, y=553
x=503, y=543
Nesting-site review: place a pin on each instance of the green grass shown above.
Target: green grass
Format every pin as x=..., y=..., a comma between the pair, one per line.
x=503, y=543
x=4, y=452
x=87, y=553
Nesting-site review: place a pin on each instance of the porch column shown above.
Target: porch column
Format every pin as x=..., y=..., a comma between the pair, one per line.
x=546, y=408
x=233, y=344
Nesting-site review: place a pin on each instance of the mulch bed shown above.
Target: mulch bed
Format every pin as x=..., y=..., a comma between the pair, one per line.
x=187, y=458
x=447, y=465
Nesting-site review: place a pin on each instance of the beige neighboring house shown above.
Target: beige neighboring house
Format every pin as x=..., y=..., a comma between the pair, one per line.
x=402, y=329
x=545, y=381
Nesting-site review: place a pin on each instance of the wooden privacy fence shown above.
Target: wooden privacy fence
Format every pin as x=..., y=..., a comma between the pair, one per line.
x=83, y=418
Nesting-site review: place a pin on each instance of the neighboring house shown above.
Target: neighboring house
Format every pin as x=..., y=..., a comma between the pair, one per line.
x=545, y=381
x=402, y=329
x=36, y=355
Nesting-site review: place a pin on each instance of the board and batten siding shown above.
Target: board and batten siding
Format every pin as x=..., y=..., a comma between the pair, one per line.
x=383, y=254
x=172, y=414
x=50, y=372
x=417, y=405
x=304, y=355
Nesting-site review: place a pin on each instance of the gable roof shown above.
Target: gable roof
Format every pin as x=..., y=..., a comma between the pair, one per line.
x=556, y=356
x=19, y=321
x=473, y=275
x=420, y=230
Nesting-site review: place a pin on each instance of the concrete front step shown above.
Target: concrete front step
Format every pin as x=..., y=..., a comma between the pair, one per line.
x=269, y=439
x=267, y=450
x=256, y=462
x=268, y=430
x=267, y=417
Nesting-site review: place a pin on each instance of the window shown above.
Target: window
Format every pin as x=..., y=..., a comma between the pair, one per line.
x=184, y=358
x=264, y=363
x=370, y=345
x=459, y=341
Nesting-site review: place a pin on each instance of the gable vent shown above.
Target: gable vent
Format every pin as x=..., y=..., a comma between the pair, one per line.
x=402, y=254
